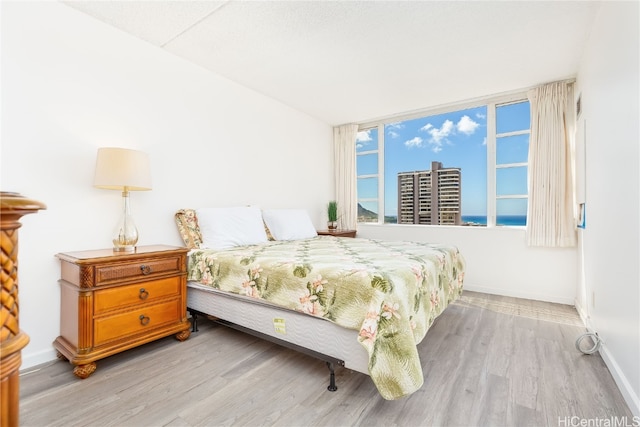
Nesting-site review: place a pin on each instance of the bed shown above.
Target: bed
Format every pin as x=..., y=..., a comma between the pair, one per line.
x=365, y=304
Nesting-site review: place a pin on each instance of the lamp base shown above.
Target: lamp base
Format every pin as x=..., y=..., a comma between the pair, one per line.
x=125, y=235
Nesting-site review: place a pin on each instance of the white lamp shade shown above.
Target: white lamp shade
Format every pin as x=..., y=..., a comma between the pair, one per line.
x=122, y=169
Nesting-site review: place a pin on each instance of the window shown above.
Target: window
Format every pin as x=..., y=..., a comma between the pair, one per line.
x=456, y=166
x=367, y=170
x=512, y=151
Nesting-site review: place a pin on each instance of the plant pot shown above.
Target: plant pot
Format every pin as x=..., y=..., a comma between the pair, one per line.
x=332, y=225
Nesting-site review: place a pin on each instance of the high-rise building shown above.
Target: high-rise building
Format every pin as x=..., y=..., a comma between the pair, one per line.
x=430, y=197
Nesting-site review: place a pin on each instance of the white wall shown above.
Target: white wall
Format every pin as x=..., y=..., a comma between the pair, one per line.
x=71, y=84
x=498, y=260
x=609, y=293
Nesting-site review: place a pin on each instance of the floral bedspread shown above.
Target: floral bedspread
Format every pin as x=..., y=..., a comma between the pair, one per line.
x=390, y=292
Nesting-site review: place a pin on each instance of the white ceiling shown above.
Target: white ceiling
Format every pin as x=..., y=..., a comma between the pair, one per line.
x=353, y=61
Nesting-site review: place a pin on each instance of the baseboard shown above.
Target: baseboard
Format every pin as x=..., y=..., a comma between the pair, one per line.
x=520, y=294
x=630, y=397
x=39, y=358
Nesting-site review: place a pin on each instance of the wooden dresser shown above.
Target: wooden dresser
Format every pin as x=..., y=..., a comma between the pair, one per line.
x=114, y=301
x=12, y=339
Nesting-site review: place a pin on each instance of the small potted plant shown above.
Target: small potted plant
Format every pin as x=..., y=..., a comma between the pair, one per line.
x=332, y=214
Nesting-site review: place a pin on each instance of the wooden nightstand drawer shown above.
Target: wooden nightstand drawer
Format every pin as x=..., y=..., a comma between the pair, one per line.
x=113, y=301
x=139, y=293
x=144, y=268
x=131, y=322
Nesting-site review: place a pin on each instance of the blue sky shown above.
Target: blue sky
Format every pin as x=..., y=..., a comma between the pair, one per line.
x=457, y=140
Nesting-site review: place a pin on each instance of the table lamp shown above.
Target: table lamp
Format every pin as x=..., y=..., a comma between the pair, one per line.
x=125, y=170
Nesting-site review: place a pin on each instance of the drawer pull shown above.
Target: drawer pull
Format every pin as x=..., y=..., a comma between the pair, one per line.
x=143, y=293
x=144, y=320
x=145, y=269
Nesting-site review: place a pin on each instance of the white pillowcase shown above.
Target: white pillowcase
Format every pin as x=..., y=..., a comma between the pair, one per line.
x=289, y=224
x=224, y=228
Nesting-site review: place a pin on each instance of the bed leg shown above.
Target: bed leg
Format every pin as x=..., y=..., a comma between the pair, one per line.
x=332, y=377
x=194, y=322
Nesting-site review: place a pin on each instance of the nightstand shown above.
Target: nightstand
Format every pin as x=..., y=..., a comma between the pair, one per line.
x=337, y=233
x=113, y=301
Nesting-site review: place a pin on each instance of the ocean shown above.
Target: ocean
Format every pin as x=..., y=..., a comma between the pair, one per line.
x=500, y=220
x=507, y=220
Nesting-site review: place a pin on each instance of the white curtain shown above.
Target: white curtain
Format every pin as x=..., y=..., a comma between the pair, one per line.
x=344, y=164
x=550, y=216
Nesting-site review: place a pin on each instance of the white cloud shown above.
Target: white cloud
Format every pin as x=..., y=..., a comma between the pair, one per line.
x=438, y=136
x=393, y=134
x=445, y=130
x=364, y=136
x=396, y=125
x=414, y=142
x=481, y=116
x=466, y=125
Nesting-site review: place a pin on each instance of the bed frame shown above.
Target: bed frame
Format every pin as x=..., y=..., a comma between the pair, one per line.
x=314, y=336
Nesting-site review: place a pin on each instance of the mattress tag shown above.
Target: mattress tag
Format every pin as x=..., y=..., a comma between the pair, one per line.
x=279, y=326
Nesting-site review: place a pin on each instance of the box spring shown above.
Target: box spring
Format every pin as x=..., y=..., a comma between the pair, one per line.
x=314, y=333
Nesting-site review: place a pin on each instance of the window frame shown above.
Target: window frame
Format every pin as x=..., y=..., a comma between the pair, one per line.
x=379, y=200
x=491, y=103
x=497, y=166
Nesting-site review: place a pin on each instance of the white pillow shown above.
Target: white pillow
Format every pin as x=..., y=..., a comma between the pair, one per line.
x=224, y=228
x=289, y=224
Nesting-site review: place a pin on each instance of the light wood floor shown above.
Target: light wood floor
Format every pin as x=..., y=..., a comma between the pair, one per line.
x=487, y=360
